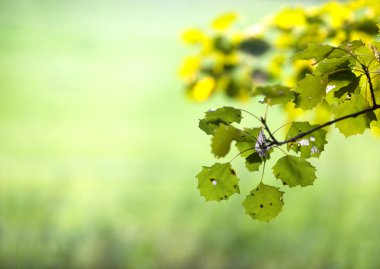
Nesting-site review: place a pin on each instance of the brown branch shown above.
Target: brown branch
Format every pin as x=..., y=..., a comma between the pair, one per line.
x=293, y=139
x=367, y=74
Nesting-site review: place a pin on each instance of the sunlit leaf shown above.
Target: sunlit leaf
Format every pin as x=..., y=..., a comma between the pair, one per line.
x=314, y=51
x=203, y=89
x=218, y=182
x=310, y=145
x=346, y=49
x=221, y=141
x=224, y=21
x=327, y=66
x=356, y=125
x=375, y=47
x=294, y=171
x=193, y=36
x=311, y=91
x=264, y=202
x=339, y=81
x=289, y=17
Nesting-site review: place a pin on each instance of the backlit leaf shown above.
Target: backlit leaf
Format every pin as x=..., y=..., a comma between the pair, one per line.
x=327, y=66
x=218, y=182
x=224, y=21
x=221, y=141
x=275, y=94
x=355, y=125
x=225, y=114
x=346, y=48
x=253, y=162
x=294, y=171
x=310, y=145
x=264, y=202
x=203, y=89
x=314, y=51
x=311, y=91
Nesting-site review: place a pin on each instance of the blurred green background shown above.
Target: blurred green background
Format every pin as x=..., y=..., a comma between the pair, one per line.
x=99, y=148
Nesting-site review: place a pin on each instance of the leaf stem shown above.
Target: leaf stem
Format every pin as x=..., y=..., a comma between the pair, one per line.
x=263, y=121
x=253, y=115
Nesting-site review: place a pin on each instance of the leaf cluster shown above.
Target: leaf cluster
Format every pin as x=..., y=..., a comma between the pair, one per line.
x=344, y=79
x=237, y=62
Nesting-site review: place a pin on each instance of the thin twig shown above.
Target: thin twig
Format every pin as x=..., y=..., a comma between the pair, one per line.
x=353, y=115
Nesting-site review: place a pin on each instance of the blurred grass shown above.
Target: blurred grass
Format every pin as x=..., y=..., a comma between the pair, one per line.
x=99, y=148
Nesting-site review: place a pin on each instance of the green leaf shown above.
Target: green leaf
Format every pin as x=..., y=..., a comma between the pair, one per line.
x=247, y=141
x=375, y=47
x=340, y=80
x=314, y=51
x=264, y=202
x=346, y=48
x=310, y=145
x=327, y=66
x=221, y=141
x=225, y=114
x=349, y=89
x=254, y=46
x=209, y=126
x=294, y=171
x=366, y=55
x=311, y=91
x=275, y=94
x=367, y=26
x=215, y=117
x=218, y=182
x=355, y=125
x=253, y=162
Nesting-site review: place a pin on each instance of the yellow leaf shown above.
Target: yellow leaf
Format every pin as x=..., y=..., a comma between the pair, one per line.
x=288, y=18
x=225, y=21
x=203, y=88
x=189, y=68
x=375, y=130
x=293, y=113
x=322, y=114
x=193, y=36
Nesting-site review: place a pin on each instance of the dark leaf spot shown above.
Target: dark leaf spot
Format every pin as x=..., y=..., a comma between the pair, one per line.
x=233, y=172
x=212, y=179
x=261, y=206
